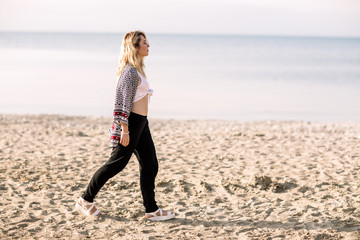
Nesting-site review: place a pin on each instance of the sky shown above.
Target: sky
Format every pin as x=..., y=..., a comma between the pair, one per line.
x=334, y=18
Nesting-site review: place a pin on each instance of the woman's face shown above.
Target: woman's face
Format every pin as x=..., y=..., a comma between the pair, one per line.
x=143, y=48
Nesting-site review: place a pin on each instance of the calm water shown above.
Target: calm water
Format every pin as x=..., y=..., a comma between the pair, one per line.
x=193, y=76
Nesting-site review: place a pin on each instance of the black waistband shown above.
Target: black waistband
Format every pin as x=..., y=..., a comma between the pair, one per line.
x=137, y=116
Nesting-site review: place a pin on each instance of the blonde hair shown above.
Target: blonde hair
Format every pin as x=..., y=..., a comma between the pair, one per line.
x=128, y=52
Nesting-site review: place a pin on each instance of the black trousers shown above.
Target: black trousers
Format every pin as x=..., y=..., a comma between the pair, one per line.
x=142, y=145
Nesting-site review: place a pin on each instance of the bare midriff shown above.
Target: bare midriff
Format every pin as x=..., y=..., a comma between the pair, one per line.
x=141, y=106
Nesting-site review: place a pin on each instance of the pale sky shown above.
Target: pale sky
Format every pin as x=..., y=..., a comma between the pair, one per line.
x=339, y=18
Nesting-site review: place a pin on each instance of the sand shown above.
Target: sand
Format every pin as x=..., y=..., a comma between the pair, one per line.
x=224, y=179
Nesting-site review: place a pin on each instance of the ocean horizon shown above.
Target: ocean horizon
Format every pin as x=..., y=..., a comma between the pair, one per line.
x=228, y=77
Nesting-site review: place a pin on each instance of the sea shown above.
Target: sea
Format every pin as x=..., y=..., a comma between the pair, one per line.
x=225, y=77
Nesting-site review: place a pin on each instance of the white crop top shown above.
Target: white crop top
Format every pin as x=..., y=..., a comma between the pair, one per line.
x=143, y=89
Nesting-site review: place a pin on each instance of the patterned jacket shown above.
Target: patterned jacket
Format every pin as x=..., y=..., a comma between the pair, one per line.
x=124, y=97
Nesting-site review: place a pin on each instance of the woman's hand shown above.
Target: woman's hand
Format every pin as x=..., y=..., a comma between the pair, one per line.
x=125, y=138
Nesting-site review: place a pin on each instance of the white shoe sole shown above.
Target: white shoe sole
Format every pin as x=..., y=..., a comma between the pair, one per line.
x=162, y=218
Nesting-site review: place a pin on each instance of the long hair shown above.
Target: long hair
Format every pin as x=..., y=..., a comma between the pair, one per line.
x=128, y=52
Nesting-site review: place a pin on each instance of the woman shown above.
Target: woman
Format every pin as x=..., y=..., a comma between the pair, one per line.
x=130, y=131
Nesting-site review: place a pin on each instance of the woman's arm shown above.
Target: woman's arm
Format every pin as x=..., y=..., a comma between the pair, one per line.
x=124, y=97
x=125, y=93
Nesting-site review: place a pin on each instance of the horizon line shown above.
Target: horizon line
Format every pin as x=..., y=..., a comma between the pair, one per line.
x=191, y=34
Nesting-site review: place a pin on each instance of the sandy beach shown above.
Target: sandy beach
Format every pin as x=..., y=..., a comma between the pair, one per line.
x=224, y=179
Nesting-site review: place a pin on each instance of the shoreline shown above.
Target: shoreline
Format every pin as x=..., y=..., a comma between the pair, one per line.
x=224, y=179
x=60, y=115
